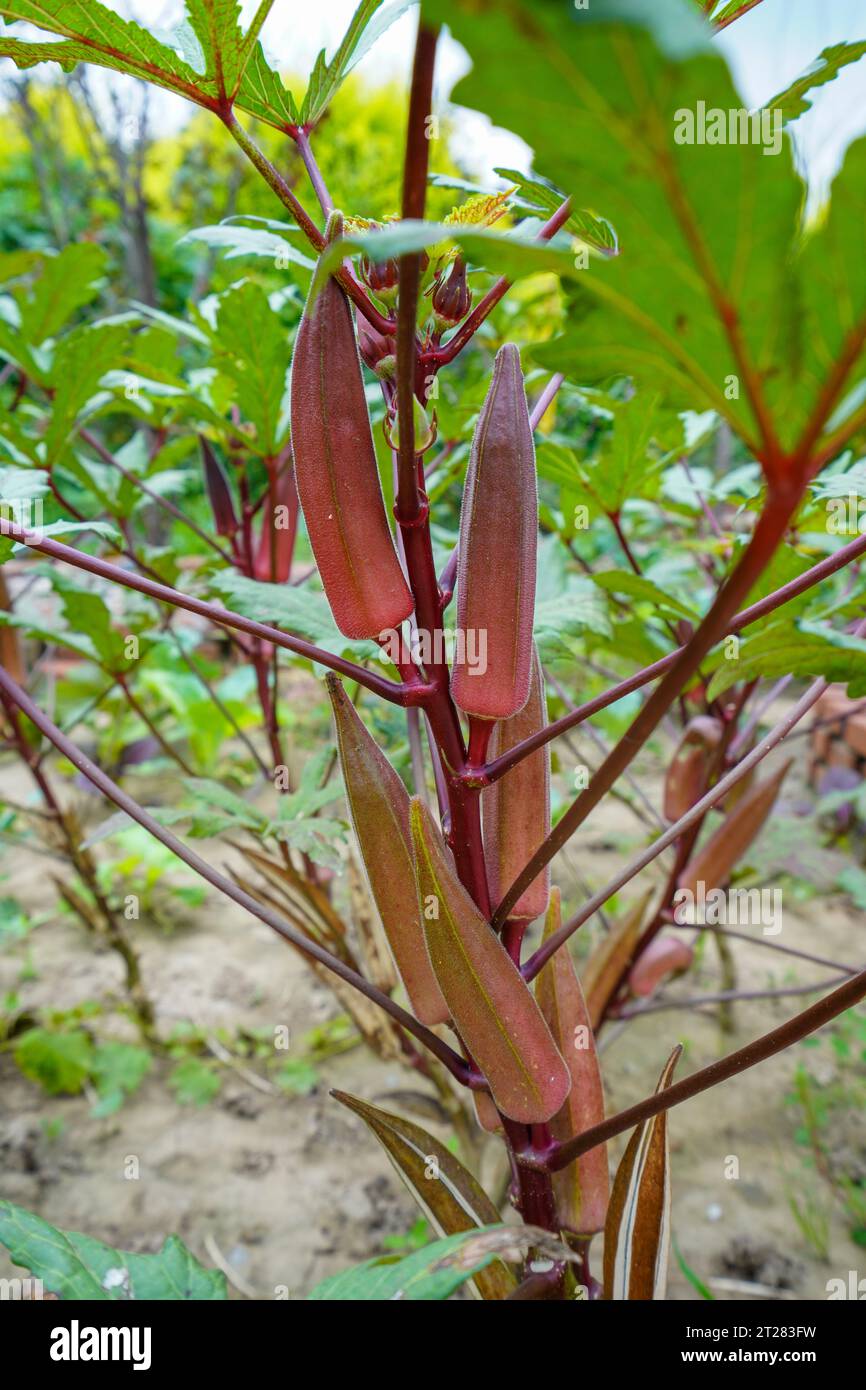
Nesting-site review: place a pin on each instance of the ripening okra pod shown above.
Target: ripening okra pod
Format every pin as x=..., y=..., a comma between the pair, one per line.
x=686, y=779
x=493, y=1008
x=379, y=808
x=516, y=809
x=498, y=552
x=582, y=1189
x=714, y=864
x=337, y=476
x=276, y=543
x=218, y=491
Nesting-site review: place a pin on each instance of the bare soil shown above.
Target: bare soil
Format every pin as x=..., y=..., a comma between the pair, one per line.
x=285, y=1190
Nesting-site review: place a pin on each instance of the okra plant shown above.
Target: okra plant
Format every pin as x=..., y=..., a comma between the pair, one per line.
x=693, y=282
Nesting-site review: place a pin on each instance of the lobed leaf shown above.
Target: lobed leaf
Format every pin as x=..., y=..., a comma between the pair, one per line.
x=78, y=1267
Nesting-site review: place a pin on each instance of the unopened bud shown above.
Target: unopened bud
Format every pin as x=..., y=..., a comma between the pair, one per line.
x=425, y=429
x=452, y=297
x=377, y=351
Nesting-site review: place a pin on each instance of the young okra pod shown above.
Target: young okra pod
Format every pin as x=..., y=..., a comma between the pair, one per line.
x=498, y=552
x=582, y=1189
x=516, y=809
x=337, y=476
x=492, y=1007
x=379, y=808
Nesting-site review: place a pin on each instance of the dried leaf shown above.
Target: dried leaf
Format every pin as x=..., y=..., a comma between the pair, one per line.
x=450, y=1197
x=637, y=1230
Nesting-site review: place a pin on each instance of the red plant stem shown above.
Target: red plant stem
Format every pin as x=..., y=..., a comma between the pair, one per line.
x=723, y=24
x=727, y=996
x=463, y=824
x=151, y=727
x=627, y=551
x=673, y=833
x=410, y=507
x=379, y=685
x=762, y=941
x=539, y=410
x=768, y=532
x=685, y=845
x=218, y=702
x=163, y=502
x=848, y=994
x=103, y=783
x=440, y=357
x=280, y=188
x=816, y=575
x=534, y=1189
x=302, y=140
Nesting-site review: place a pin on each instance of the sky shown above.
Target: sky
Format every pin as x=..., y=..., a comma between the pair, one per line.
x=766, y=49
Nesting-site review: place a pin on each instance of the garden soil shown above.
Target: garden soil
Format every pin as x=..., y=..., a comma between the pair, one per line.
x=283, y=1190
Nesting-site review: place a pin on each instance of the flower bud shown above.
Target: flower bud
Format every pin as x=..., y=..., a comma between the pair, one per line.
x=424, y=432
x=377, y=351
x=452, y=297
x=382, y=277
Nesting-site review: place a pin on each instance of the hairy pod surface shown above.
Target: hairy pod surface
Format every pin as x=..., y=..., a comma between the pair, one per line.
x=516, y=809
x=379, y=808
x=498, y=551
x=337, y=476
x=582, y=1189
x=713, y=865
x=492, y=1007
